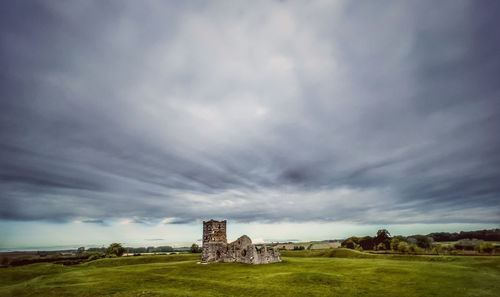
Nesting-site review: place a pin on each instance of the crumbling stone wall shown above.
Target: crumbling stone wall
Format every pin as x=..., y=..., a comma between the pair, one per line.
x=216, y=249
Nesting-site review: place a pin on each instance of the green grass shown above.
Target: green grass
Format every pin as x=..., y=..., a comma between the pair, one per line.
x=336, y=272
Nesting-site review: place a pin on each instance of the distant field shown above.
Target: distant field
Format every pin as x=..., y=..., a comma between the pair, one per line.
x=315, y=245
x=334, y=272
x=495, y=243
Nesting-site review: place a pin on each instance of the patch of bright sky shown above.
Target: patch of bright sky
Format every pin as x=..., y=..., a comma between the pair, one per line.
x=43, y=235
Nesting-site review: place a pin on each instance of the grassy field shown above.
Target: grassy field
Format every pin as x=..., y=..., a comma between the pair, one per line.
x=336, y=272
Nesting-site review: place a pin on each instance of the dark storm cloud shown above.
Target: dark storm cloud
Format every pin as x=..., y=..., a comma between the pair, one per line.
x=272, y=112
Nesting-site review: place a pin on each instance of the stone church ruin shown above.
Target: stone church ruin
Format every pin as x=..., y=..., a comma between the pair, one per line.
x=216, y=249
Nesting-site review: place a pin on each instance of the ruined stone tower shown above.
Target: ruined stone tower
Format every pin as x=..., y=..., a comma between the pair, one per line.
x=216, y=249
x=214, y=231
x=214, y=240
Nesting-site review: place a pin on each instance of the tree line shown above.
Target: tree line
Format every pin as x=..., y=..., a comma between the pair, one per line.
x=486, y=235
x=422, y=243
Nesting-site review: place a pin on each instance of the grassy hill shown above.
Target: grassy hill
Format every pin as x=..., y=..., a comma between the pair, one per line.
x=336, y=272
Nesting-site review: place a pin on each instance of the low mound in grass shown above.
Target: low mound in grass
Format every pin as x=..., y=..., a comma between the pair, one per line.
x=121, y=261
x=348, y=253
x=338, y=253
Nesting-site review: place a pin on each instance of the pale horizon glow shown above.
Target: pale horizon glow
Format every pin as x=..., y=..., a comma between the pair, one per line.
x=36, y=236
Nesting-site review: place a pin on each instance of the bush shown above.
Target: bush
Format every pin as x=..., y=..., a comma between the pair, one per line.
x=438, y=249
x=468, y=244
x=449, y=248
x=381, y=246
x=358, y=247
x=94, y=256
x=412, y=249
x=4, y=261
x=394, y=243
x=486, y=247
x=298, y=248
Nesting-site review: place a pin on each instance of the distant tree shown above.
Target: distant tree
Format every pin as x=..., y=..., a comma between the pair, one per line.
x=411, y=241
x=383, y=236
x=366, y=243
x=381, y=247
x=298, y=247
x=423, y=241
x=395, y=242
x=165, y=248
x=115, y=249
x=80, y=250
x=195, y=248
x=487, y=235
x=403, y=247
x=97, y=250
x=350, y=242
x=140, y=250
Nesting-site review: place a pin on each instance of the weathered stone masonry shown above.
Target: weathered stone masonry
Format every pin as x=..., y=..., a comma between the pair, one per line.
x=216, y=249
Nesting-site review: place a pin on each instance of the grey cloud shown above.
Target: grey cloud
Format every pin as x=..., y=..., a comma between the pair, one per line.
x=101, y=222
x=275, y=112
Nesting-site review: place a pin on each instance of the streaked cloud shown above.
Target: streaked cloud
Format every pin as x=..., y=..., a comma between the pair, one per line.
x=173, y=112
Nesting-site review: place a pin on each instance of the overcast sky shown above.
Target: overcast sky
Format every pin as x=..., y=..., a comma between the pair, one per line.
x=171, y=112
